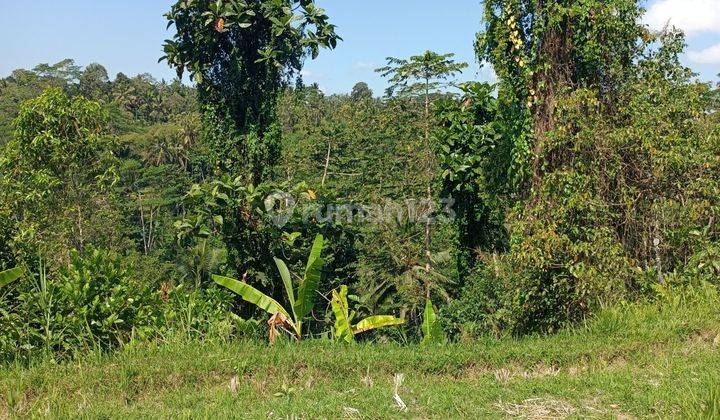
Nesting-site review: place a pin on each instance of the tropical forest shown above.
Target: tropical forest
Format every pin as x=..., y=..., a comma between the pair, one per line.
x=238, y=241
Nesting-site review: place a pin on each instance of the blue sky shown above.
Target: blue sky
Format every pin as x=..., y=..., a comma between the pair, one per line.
x=127, y=35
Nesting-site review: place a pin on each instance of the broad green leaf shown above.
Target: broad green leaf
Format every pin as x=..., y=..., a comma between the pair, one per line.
x=287, y=281
x=432, y=333
x=252, y=295
x=311, y=281
x=9, y=276
x=339, y=303
x=375, y=322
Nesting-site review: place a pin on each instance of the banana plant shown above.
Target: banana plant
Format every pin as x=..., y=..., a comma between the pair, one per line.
x=9, y=276
x=431, y=329
x=301, y=305
x=344, y=329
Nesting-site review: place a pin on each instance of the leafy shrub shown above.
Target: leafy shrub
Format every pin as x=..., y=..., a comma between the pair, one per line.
x=104, y=304
x=705, y=265
x=562, y=263
x=257, y=223
x=94, y=302
x=478, y=308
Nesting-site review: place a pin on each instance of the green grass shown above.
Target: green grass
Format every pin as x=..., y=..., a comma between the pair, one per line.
x=644, y=360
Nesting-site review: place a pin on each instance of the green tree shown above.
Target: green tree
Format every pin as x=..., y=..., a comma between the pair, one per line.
x=241, y=54
x=616, y=139
x=54, y=170
x=473, y=156
x=423, y=75
x=541, y=49
x=361, y=91
x=62, y=73
x=23, y=85
x=94, y=82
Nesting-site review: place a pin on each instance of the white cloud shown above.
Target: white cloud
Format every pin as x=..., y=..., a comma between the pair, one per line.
x=692, y=16
x=365, y=65
x=709, y=55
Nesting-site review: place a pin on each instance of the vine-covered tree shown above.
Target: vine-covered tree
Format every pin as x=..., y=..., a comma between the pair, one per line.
x=472, y=156
x=241, y=54
x=542, y=49
x=599, y=117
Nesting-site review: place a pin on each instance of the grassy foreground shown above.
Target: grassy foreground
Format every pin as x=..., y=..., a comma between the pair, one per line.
x=649, y=360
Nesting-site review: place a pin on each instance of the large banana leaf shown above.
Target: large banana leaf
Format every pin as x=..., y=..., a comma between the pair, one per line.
x=311, y=281
x=339, y=303
x=377, y=321
x=9, y=276
x=432, y=331
x=252, y=295
x=287, y=281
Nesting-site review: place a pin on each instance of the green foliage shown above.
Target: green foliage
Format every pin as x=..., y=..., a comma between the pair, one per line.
x=361, y=135
x=9, y=276
x=539, y=50
x=252, y=222
x=588, y=175
x=106, y=305
x=92, y=303
x=94, y=82
x=241, y=54
x=259, y=299
x=361, y=92
x=23, y=85
x=311, y=281
x=615, y=138
x=343, y=329
x=300, y=307
x=474, y=159
x=198, y=314
x=158, y=165
x=54, y=168
x=431, y=328
x=420, y=75
x=388, y=274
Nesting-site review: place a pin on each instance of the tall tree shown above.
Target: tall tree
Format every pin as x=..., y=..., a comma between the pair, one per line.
x=473, y=159
x=241, y=54
x=94, y=82
x=423, y=75
x=541, y=48
x=54, y=170
x=361, y=91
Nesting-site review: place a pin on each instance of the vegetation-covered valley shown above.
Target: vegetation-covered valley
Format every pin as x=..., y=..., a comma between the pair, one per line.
x=243, y=244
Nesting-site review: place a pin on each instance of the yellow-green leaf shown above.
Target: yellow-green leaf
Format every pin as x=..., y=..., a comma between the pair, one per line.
x=252, y=295
x=9, y=276
x=375, y=322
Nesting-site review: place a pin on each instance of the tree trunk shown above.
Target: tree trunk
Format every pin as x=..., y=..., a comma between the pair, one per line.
x=430, y=209
x=656, y=249
x=556, y=46
x=327, y=165
x=143, y=230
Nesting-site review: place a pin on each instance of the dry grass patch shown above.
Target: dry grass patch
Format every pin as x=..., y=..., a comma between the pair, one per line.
x=538, y=408
x=541, y=370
